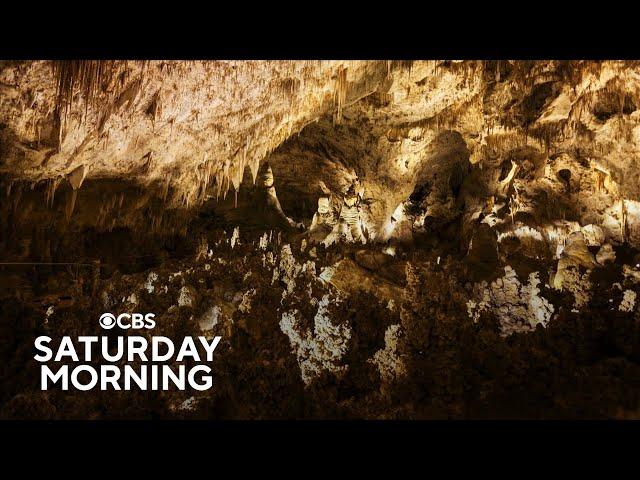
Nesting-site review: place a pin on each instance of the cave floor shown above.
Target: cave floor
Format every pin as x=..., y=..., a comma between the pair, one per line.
x=402, y=344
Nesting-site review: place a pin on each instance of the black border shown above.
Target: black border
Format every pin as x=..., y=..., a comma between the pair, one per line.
x=375, y=31
x=324, y=31
x=323, y=449
x=515, y=435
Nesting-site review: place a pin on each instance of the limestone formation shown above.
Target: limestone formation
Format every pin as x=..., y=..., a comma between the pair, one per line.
x=274, y=214
x=323, y=221
x=349, y=227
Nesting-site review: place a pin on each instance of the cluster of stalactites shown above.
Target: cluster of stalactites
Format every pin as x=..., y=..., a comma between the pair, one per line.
x=215, y=176
x=224, y=170
x=91, y=84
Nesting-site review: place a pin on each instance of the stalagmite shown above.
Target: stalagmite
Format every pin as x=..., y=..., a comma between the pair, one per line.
x=272, y=208
x=575, y=254
x=505, y=184
x=323, y=221
x=349, y=225
x=623, y=220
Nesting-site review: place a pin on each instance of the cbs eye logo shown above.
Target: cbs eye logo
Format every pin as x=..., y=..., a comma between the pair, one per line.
x=127, y=321
x=107, y=321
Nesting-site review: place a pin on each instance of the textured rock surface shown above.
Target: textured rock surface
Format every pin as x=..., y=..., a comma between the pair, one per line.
x=191, y=129
x=519, y=308
x=190, y=124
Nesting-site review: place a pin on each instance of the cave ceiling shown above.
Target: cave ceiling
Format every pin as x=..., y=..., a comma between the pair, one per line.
x=192, y=130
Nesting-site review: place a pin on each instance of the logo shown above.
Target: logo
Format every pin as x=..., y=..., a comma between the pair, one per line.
x=75, y=364
x=126, y=321
x=107, y=321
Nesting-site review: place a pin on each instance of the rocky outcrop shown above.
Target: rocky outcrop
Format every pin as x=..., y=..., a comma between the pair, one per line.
x=519, y=308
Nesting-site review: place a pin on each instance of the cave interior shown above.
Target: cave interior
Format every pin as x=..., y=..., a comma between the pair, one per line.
x=371, y=239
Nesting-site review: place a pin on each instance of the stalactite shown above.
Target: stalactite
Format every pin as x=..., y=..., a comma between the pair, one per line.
x=17, y=194
x=52, y=186
x=218, y=181
x=77, y=176
x=88, y=76
x=237, y=171
x=255, y=166
x=623, y=221
x=340, y=93
x=165, y=187
x=71, y=203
